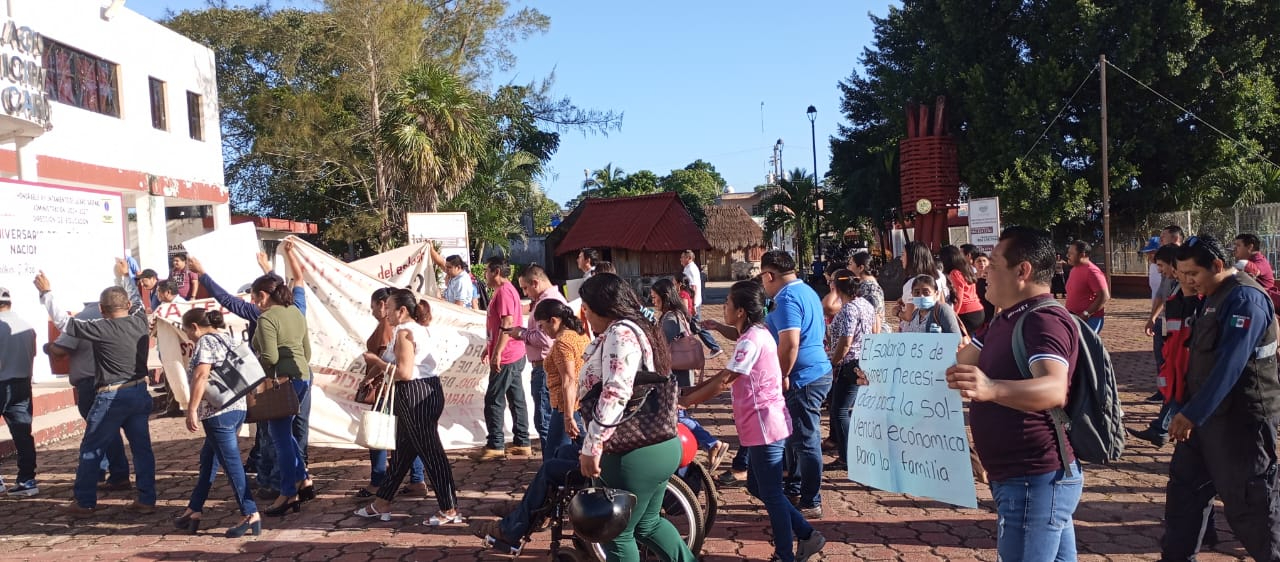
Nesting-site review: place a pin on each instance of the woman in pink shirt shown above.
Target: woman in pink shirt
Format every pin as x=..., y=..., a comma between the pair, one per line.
x=760, y=416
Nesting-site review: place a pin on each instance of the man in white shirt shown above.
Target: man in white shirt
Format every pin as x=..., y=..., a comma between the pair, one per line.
x=694, y=274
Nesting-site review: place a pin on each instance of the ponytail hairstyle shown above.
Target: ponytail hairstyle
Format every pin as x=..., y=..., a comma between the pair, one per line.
x=203, y=318
x=748, y=296
x=423, y=316
x=278, y=292
x=404, y=298
x=846, y=283
x=551, y=308
x=608, y=296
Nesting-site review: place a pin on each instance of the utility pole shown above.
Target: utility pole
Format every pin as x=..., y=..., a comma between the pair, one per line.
x=1106, y=174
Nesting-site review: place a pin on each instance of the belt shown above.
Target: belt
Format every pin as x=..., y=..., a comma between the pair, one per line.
x=123, y=385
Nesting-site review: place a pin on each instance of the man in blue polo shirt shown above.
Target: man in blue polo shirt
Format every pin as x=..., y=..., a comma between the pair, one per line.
x=796, y=322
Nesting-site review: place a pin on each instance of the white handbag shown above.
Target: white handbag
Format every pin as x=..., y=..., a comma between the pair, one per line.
x=378, y=424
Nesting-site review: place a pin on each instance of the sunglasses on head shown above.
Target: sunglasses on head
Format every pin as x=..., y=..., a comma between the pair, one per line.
x=1213, y=249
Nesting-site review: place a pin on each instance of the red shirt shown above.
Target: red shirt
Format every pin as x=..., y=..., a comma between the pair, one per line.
x=506, y=302
x=966, y=293
x=1084, y=285
x=1261, y=270
x=1012, y=443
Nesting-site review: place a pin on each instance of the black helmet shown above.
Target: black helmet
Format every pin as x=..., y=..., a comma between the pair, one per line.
x=600, y=514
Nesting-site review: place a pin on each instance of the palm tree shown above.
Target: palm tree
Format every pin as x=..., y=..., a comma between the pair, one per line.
x=435, y=129
x=793, y=207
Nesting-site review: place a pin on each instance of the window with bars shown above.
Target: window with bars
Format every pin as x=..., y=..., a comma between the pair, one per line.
x=159, y=109
x=195, y=115
x=76, y=78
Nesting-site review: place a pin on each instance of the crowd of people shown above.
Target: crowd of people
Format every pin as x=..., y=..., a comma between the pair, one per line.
x=795, y=352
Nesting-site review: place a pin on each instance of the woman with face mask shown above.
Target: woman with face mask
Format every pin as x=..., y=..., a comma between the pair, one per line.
x=930, y=312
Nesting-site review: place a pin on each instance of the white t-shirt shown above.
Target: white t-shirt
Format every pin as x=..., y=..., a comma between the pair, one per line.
x=1154, y=278
x=422, y=356
x=695, y=281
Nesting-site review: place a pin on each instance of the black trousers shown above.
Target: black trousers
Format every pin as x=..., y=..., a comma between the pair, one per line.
x=418, y=405
x=1234, y=457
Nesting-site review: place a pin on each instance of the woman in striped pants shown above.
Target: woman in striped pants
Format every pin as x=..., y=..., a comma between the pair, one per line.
x=419, y=401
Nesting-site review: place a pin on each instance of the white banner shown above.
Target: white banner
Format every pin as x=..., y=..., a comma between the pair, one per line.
x=907, y=432
x=448, y=229
x=73, y=235
x=229, y=252
x=340, y=321
x=407, y=267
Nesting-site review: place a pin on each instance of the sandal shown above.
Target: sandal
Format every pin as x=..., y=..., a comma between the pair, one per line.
x=369, y=512
x=441, y=518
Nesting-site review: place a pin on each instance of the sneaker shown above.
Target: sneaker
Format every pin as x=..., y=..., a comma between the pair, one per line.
x=1156, y=398
x=488, y=454
x=811, y=513
x=718, y=352
x=716, y=455
x=728, y=479
x=810, y=546
x=1151, y=436
x=24, y=489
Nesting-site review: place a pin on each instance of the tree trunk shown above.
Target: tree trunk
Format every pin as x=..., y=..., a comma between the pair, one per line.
x=379, y=161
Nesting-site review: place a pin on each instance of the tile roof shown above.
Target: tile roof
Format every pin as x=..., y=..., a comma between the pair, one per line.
x=649, y=223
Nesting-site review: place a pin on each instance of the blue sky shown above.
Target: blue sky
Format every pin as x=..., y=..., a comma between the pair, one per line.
x=689, y=77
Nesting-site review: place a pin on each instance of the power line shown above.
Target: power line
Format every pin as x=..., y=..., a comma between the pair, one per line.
x=1194, y=116
x=1061, y=111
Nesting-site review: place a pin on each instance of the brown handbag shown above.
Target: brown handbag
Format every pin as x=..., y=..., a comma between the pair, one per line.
x=369, y=391
x=686, y=352
x=277, y=400
x=649, y=417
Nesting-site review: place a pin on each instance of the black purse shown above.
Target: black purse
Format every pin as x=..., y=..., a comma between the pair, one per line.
x=648, y=418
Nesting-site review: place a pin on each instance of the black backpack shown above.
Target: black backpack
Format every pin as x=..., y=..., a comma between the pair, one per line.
x=482, y=292
x=1092, y=418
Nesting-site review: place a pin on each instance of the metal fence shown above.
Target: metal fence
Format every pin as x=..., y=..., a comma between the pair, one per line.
x=1224, y=224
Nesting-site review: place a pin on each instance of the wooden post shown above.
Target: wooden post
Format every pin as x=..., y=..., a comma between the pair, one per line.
x=1106, y=175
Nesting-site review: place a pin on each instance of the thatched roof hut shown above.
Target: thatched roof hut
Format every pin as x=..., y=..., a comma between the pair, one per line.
x=735, y=238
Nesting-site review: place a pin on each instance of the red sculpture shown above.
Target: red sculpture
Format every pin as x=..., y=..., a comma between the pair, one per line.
x=929, y=172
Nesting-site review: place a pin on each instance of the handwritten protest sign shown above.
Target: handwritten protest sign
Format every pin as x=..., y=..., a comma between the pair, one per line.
x=907, y=430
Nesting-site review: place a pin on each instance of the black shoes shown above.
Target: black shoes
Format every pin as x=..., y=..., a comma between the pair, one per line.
x=1156, y=398
x=1151, y=436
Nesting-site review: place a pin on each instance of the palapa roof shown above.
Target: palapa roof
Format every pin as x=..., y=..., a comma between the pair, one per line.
x=646, y=223
x=730, y=228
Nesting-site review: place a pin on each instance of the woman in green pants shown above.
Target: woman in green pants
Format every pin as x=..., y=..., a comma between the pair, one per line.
x=627, y=343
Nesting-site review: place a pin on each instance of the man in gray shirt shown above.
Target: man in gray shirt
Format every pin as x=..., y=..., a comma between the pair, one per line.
x=17, y=361
x=81, y=374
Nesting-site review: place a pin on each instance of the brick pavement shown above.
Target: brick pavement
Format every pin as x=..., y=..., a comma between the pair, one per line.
x=1118, y=518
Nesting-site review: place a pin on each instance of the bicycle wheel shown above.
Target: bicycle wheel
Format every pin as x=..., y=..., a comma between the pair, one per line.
x=704, y=488
x=680, y=506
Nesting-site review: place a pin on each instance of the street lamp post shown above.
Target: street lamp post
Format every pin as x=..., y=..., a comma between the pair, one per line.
x=812, y=112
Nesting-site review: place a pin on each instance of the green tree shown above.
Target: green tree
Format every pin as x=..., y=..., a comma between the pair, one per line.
x=791, y=208
x=698, y=185
x=1007, y=68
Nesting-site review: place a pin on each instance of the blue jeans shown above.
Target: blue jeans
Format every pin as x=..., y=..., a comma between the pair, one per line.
x=15, y=408
x=268, y=475
x=222, y=447
x=378, y=468
x=1157, y=344
x=128, y=409
x=557, y=436
x=844, y=391
x=563, y=461
x=1095, y=323
x=541, y=406
x=1034, y=516
x=764, y=481
x=506, y=391
x=288, y=461
x=115, y=465
x=704, y=437
x=804, y=446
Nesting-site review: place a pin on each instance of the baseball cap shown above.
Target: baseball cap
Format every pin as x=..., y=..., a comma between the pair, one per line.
x=1152, y=245
x=4, y=296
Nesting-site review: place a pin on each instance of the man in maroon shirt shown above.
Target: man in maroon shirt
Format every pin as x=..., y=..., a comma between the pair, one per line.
x=1248, y=249
x=1035, y=489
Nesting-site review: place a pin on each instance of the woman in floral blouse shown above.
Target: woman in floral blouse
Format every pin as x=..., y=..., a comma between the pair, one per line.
x=857, y=319
x=220, y=426
x=626, y=343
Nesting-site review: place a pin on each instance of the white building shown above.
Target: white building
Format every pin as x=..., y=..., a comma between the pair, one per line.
x=131, y=109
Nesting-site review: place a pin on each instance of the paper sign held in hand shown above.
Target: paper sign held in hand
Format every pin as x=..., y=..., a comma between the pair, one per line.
x=907, y=431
